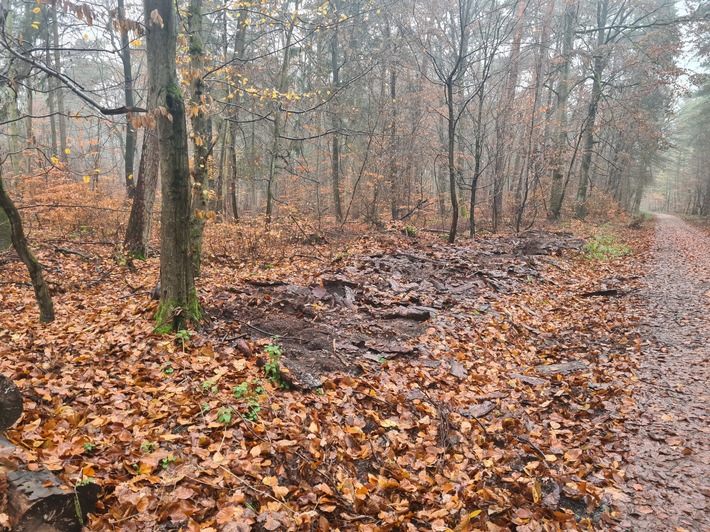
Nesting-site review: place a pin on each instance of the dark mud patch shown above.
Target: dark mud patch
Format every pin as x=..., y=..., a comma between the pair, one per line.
x=371, y=307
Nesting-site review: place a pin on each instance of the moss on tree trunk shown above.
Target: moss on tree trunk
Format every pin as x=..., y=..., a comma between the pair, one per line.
x=178, y=299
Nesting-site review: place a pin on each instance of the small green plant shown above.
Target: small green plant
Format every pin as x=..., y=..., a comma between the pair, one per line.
x=148, y=447
x=168, y=368
x=205, y=407
x=89, y=447
x=165, y=462
x=240, y=390
x=271, y=369
x=183, y=337
x=85, y=481
x=252, y=398
x=605, y=247
x=253, y=409
x=410, y=231
x=209, y=386
x=224, y=415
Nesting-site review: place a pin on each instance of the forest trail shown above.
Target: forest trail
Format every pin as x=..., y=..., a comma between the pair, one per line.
x=669, y=479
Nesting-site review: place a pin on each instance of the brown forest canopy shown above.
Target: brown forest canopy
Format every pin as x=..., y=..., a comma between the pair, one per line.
x=343, y=108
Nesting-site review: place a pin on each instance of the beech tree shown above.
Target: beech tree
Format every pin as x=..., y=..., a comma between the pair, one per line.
x=178, y=298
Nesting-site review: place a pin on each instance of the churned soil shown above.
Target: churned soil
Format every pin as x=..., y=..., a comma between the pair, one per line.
x=669, y=476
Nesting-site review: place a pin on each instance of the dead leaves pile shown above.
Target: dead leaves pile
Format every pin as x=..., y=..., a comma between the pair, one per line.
x=472, y=427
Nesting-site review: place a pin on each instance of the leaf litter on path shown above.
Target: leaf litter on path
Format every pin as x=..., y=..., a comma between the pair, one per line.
x=669, y=474
x=429, y=387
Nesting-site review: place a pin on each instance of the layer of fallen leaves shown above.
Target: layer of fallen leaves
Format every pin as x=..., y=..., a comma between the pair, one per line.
x=504, y=408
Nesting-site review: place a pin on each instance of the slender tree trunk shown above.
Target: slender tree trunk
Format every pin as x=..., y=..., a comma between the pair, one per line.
x=523, y=190
x=335, y=152
x=129, y=97
x=139, y=221
x=232, y=174
x=503, y=131
x=51, y=92
x=217, y=204
x=557, y=193
x=477, y=160
x=452, y=161
x=276, y=139
x=61, y=120
x=19, y=242
x=178, y=298
x=30, y=128
x=202, y=133
x=580, y=208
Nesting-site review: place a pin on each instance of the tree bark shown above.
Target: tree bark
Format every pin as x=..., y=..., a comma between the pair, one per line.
x=138, y=230
x=10, y=403
x=278, y=122
x=451, y=149
x=202, y=133
x=557, y=193
x=178, y=298
x=19, y=242
x=61, y=120
x=335, y=152
x=129, y=97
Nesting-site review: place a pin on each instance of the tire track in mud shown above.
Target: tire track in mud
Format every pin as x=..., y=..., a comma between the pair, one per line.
x=668, y=485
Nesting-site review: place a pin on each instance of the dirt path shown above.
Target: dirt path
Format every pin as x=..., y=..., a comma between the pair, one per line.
x=669, y=479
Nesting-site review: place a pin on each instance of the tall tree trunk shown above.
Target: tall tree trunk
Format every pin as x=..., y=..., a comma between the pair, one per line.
x=557, y=193
x=178, y=297
x=19, y=242
x=30, y=128
x=335, y=152
x=201, y=133
x=61, y=119
x=503, y=131
x=452, y=161
x=599, y=64
x=477, y=160
x=129, y=97
x=51, y=90
x=276, y=138
x=523, y=189
x=138, y=230
x=580, y=207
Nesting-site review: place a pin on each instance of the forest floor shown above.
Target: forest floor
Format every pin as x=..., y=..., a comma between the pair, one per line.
x=378, y=381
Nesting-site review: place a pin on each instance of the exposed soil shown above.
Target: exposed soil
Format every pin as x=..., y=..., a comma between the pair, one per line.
x=669, y=478
x=373, y=307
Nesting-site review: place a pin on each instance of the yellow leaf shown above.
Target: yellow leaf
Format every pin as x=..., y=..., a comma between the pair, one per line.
x=270, y=481
x=67, y=151
x=97, y=171
x=36, y=10
x=54, y=160
x=280, y=491
x=87, y=179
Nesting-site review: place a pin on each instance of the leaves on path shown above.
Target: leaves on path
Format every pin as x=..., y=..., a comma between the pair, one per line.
x=420, y=386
